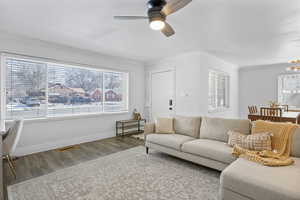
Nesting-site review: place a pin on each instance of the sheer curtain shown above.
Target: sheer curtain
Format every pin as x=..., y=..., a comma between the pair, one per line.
x=218, y=90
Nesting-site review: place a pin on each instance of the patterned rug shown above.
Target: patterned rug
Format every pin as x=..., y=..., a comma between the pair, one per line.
x=126, y=175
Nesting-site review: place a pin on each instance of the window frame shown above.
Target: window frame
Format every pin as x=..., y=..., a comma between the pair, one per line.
x=47, y=61
x=2, y=93
x=227, y=91
x=279, y=85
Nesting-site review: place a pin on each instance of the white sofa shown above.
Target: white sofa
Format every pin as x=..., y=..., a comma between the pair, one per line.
x=204, y=141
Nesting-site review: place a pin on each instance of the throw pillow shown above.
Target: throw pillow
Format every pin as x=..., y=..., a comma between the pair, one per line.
x=189, y=126
x=216, y=128
x=256, y=142
x=164, y=125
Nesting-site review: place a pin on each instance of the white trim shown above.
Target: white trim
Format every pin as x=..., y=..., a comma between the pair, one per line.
x=70, y=117
x=26, y=150
x=59, y=62
x=2, y=93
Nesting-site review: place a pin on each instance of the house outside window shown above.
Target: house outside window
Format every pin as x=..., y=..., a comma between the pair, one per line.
x=37, y=89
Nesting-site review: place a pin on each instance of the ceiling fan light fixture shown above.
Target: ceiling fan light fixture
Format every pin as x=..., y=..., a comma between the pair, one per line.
x=157, y=25
x=157, y=13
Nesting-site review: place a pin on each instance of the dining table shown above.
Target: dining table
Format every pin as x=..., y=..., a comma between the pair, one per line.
x=293, y=117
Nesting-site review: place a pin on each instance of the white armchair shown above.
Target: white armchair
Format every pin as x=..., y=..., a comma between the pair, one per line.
x=10, y=143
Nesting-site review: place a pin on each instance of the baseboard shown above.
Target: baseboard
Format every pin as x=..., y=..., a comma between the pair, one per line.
x=26, y=150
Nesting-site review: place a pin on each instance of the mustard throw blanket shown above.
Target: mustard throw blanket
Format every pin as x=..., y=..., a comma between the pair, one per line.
x=281, y=144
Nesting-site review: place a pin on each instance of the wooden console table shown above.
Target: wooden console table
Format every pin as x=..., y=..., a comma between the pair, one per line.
x=124, y=127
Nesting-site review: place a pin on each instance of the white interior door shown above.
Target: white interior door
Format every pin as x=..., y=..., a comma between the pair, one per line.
x=162, y=94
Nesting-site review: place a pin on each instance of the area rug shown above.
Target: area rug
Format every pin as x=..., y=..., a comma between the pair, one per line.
x=126, y=175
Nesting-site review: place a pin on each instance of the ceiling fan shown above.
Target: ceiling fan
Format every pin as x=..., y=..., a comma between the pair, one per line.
x=158, y=10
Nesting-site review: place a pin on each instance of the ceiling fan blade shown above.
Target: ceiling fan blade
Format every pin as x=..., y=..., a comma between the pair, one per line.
x=174, y=5
x=168, y=30
x=130, y=17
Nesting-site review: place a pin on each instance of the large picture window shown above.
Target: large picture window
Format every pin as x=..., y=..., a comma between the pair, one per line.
x=36, y=89
x=218, y=90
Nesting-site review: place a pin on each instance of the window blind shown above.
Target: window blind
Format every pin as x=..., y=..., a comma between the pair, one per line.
x=25, y=89
x=42, y=89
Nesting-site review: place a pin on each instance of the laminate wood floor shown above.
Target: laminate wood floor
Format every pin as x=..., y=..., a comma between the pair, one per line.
x=39, y=164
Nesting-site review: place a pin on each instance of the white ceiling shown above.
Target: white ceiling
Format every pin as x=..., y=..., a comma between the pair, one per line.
x=244, y=32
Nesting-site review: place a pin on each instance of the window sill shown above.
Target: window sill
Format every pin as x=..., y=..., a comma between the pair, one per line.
x=218, y=110
x=71, y=117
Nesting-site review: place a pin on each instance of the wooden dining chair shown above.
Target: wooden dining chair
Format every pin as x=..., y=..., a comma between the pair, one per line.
x=285, y=108
x=271, y=118
x=252, y=109
x=268, y=114
x=265, y=118
x=277, y=112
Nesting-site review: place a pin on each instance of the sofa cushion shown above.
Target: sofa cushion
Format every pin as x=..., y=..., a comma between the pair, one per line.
x=256, y=142
x=217, y=128
x=211, y=149
x=295, y=151
x=258, y=182
x=164, y=125
x=169, y=140
x=189, y=126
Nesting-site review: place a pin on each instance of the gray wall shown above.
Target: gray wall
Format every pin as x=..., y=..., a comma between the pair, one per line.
x=258, y=85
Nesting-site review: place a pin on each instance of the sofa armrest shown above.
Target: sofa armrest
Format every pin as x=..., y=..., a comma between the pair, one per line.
x=149, y=128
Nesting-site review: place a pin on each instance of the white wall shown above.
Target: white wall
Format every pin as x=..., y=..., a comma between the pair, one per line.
x=48, y=134
x=258, y=85
x=191, y=71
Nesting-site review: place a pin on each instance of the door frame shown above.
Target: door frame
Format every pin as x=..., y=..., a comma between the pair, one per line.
x=173, y=70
